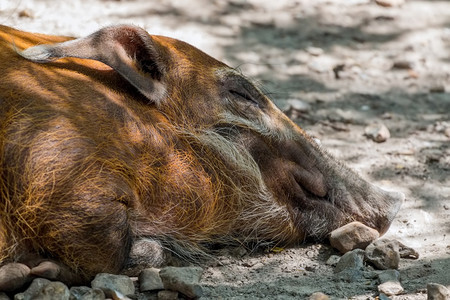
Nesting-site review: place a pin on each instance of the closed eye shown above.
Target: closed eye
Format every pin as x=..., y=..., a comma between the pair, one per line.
x=244, y=96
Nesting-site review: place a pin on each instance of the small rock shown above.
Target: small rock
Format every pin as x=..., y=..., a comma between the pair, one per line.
x=350, y=260
x=340, y=115
x=13, y=276
x=86, y=293
x=149, y=280
x=377, y=132
x=321, y=64
x=407, y=252
x=184, y=280
x=35, y=287
x=389, y=275
x=437, y=292
x=298, y=105
x=350, y=266
x=118, y=295
x=167, y=295
x=26, y=13
x=390, y=3
x=390, y=283
x=402, y=64
x=333, y=260
x=352, y=236
x=314, y=51
x=447, y=132
x=382, y=296
x=383, y=254
x=54, y=290
x=318, y=296
x=3, y=296
x=437, y=89
x=109, y=283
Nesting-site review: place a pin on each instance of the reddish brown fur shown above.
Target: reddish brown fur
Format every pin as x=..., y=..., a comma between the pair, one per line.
x=89, y=165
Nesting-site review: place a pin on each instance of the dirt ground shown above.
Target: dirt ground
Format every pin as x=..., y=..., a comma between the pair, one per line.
x=346, y=64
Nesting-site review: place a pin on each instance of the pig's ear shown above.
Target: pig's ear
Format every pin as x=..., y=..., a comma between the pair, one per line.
x=129, y=50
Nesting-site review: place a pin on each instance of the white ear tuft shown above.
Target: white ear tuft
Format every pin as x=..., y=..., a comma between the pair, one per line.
x=40, y=53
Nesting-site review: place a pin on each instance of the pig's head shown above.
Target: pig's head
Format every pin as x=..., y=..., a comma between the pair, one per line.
x=196, y=92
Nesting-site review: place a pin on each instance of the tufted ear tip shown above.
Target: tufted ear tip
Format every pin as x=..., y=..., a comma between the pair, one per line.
x=128, y=49
x=40, y=53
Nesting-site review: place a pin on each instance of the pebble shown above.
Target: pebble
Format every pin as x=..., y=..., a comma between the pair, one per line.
x=437, y=292
x=26, y=13
x=447, y=132
x=382, y=296
x=377, y=132
x=109, y=283
x=183, y=279
x=53, y=290
x=314, y=51
x=407, y=252
x=333, y=260
x=298, y=105
x=350, y=266
x=402, y=64
x=354, y=235
x=35, y=287
x=167, y=295
x=383, y=254
x=318, y=296
x=390, y=3
x=18, y=274
x=86, y=293
x=390, y=283
x=350, y=260
x=150, y=280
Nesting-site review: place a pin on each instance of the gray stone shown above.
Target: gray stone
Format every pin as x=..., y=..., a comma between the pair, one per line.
x=437, y=292
x=407, y=252
x=350, y=266
x=354, y=235
x=53, y=291
x=86, y=293
x=298, y=105
x=109, y=283
x=35, y=287
x=184, y=280
x=382, y=296
x=383, y=254
x=377, y=132
x=390, y=283
x=350, y=260
x=150, y=280
x=389, y=275
x=318, y=296
x=333, y=260
x=167, y=295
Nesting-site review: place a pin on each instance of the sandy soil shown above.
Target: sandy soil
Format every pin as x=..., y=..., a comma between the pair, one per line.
x=351, y=63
